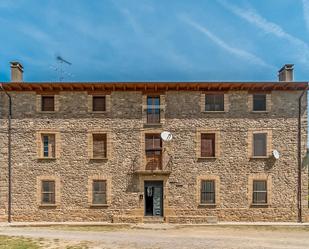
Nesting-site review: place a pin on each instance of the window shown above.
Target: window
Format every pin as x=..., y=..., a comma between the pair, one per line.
x=49, y=145
x=48, y=192
x=214, y=102
x=99, y=145
x=99, y=192
x=259, y=192
x=208, y=144
x=98, y=103
x=260, y=144
x=153, y=148
x=259, y=102
x=153, y=109
x=208, y=192
x=48, y=103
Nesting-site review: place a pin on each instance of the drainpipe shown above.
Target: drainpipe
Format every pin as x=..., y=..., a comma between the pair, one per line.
x=299, y=187
x=9, y=154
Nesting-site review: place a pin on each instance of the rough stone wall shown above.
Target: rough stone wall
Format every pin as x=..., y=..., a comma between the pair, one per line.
x=182, y=117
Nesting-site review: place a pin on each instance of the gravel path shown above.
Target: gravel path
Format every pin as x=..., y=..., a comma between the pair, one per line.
x=174, y=238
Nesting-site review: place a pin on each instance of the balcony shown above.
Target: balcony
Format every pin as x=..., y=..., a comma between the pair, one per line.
x=154, y=165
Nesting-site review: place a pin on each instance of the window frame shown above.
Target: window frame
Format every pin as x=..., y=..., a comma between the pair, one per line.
x=43, y=105
x=255, y=192
x=254, y=103
x=213, y=145
x=104, y=193
x=51, y=147
x=204, y=200
x=268, y=101
x=251, y=133
x=51, y=193
x=161, y=108
x=153, y=108
x=217, y=149
x=215, y=95
x=108, y=134
x=105, y=146
x=40, y=144
x=97, y=97
x=108, y=182
x=254, y=149
x=216, y=180
x=153, y=151
x=57, y=190
x=260, y=177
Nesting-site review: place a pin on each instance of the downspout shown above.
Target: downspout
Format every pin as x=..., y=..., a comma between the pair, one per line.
x=299, y=187
x=9, y=154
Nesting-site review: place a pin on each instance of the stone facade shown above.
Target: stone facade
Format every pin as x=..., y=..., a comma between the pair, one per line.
x=124, y=122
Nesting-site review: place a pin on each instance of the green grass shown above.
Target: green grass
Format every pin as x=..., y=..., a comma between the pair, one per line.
x=17, y=243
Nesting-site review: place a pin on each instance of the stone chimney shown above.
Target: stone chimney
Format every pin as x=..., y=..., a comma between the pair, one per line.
x=16, y=71
x=286, y=73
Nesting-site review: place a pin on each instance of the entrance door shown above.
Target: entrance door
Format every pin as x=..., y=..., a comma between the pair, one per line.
x=153, y=198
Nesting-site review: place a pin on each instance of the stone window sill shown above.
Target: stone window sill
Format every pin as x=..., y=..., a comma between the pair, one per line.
x=47, y=158
x=259, y=157
x=48, y=205
x=98, y=112
x=48, y=112
x=208, y=112
x=256, y=112
x=208, y=205
x=99, y=159
x=153, y=125
x=260, y=205
x=98, y=205
x=207, y=158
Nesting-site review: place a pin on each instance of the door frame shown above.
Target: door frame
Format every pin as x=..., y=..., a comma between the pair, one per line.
x=155, y=183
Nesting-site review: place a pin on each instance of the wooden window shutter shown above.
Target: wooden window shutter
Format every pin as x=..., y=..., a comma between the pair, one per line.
x=99, y=145
x=48, y=103
x=208, y=145
x=99, y=103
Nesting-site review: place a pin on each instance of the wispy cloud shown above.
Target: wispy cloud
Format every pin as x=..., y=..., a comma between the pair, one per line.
x=306, y=12
x=243, y=54
x=251, y=16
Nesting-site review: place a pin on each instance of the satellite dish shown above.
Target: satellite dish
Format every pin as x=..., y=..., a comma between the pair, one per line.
x=276, y=154
x=166, y=136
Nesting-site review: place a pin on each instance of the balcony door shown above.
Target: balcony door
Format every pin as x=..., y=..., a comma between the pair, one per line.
x=153, y=198
x=153, y=151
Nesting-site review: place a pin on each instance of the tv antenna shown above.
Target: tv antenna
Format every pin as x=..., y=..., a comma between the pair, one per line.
x=59, y=68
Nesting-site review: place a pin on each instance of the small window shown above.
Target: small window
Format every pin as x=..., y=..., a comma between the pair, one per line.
x=49, y=145
x=153, y=147
x=48, y=192
x=99, y=145
x=48, y=103
x=208, y=145
x=260, y=144
x=208, y=195
x=259, y=192
x=153, y=109
x=214, y=102
x=98, y=104
x=99, y=192
x=259, y=102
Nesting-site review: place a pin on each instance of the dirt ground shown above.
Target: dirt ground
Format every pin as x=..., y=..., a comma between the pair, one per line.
x=165, y=237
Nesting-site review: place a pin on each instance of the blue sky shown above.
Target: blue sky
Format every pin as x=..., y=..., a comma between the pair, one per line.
x=136, y=40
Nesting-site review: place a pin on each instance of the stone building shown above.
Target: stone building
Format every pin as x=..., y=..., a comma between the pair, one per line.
x=93, y=151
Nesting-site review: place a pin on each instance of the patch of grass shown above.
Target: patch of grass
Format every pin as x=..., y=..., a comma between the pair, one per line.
x=7, y=242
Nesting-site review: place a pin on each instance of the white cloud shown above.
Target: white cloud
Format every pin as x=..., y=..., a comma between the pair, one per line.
x=306, y=12
x=233, y=50
x=251, y=16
